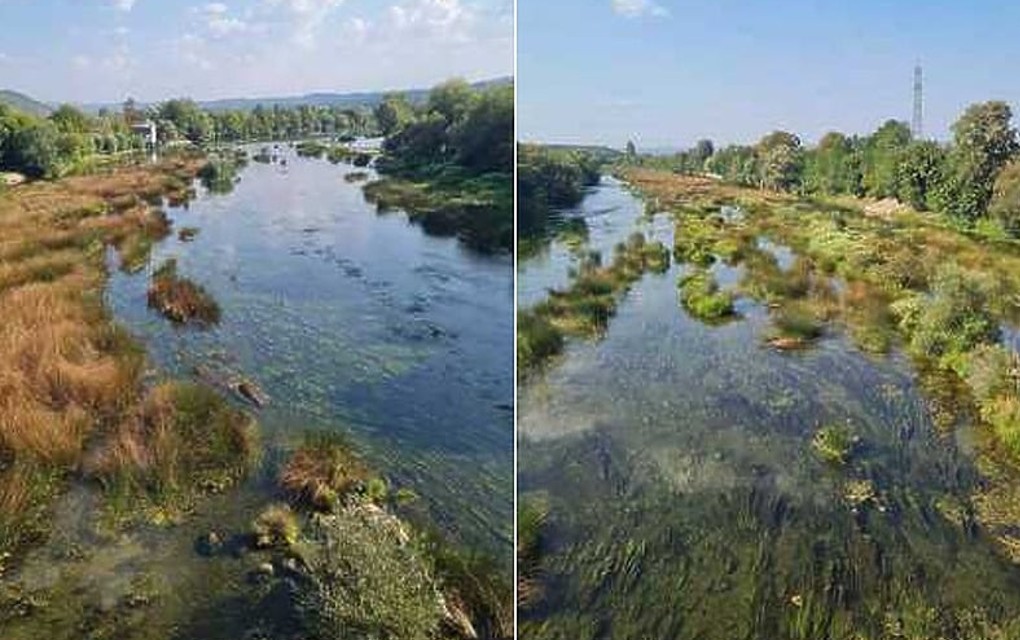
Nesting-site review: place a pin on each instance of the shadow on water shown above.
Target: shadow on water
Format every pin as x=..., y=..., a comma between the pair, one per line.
x=686, y=499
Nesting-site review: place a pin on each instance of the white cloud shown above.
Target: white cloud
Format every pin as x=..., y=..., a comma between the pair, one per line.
x=639, y=8
x=307, y=18
x=442, y=19
x=217, y=19
x=124, y=5
x=81, y=61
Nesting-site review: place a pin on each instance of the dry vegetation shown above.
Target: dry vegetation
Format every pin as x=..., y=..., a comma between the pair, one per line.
x=68, y=375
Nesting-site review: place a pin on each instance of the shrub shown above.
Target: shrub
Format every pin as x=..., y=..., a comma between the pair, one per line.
x=953, y=319
x=363, y=582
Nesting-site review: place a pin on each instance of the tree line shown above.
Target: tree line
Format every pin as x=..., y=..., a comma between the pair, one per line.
x=458, y=128
x=974, y=179
x=551, y=178
x=47, y=147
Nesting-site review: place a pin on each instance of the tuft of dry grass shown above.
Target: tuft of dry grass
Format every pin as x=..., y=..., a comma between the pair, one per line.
x=180, y=299
x=66, y=371
x=321, y=471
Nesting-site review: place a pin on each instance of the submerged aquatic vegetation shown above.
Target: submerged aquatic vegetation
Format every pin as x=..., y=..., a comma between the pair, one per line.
x=835, y=443
x=701, y=297
x=532, y=514
x=322, y=471
x=179, y=299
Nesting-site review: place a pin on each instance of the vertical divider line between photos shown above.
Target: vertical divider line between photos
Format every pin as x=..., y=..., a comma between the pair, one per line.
x=514, y=340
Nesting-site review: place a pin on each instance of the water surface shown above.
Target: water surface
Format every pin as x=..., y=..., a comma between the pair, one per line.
x=686, y=499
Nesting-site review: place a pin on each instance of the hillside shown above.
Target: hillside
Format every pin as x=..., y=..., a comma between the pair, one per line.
x=347, y=100
x=24, y=103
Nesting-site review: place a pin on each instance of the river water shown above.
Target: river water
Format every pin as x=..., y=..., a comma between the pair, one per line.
x=685, y=498
x=349, y=320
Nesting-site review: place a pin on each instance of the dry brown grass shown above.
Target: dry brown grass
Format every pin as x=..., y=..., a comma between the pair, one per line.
x=321, y=471
x=65, y=369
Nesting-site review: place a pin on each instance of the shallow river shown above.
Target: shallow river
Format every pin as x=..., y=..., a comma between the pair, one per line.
x=348, y=320
x=686, y=500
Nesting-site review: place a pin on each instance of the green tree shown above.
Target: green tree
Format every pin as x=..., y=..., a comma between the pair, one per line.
x=394, y=113
x=882, y=153
x=70, y=120
x=984, y=140
x=452, y=100
x=781, y=161
x=1005, y=203
x=920, y=173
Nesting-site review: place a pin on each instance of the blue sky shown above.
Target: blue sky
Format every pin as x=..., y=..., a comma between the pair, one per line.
x=106, y=50
x=667, y=72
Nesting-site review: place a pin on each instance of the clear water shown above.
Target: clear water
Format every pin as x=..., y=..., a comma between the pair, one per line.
x=348, y=320
x=686, y=500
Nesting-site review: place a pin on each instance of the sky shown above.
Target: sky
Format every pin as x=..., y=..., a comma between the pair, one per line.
x=84, y=51
x=668, y=72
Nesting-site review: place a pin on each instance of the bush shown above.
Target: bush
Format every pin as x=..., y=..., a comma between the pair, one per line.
x=950, y=321
x=364, y=582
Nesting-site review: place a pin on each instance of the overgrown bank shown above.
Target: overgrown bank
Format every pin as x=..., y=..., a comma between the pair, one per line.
x=449, y=163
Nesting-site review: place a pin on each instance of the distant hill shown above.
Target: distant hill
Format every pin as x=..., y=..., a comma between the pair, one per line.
x=600, y=150
x=21, y=102
x=346, y=100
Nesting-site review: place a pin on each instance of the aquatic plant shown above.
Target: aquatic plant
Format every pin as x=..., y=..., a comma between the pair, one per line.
x=793, y=326
x=364, y=581
x=476, y=590
x=537, y=340
x=276, y=526
x=65, y=368
x=834, y=443
x=701, y=297
x=219, y=174
x=184, y=439
x=532, y=514
x=951, y=320
x=311, y=149
x=322, y=471
x=179, y=299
